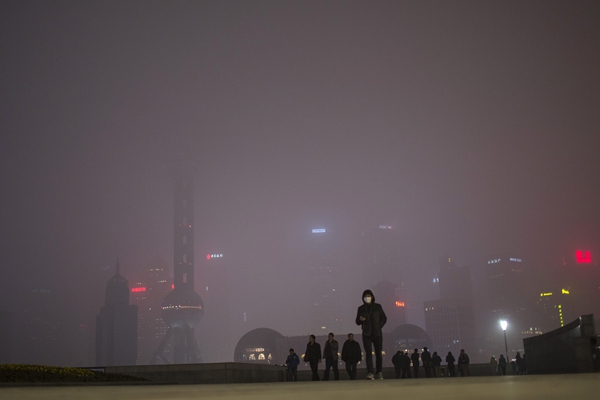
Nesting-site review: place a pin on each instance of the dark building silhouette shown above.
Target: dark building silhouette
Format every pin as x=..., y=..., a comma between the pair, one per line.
x=148, y=290
x=182, y=308
x=116, y=325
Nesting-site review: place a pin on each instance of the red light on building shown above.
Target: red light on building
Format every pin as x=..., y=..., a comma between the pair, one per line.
x=138, y=289
x=399, y=303
x=173, y=286
x=208, y=256
x=583, y=257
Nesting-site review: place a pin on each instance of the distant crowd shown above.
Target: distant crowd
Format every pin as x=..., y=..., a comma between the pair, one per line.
x=371, y=317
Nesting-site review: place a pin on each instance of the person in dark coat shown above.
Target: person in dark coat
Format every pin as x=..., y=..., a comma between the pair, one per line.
x=519, y=362
x=396, y=360
x=415, y=362
x=502, y=365
x=330, y=354
x=463, y=363
x=371, y=317
x=312, y=355
x=436, y=362
x=450, y=361
x=405, y=364
x=426, y=358
x=292, y=363
x=351, y=355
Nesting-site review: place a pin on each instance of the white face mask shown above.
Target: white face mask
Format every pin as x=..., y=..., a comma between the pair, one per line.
x=367, y=299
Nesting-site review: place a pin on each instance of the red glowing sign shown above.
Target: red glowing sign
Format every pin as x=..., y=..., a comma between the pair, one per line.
x=399, y=303
x=173, y=286
x=208, y=256
x=583, y=257
x=138, y=289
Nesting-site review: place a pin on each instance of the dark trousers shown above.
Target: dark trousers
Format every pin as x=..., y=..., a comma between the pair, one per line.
x=370, y=343
x=503, y=369
x=314, y=366
x=451, y=370
x=331, y=363
x=351, y=368
x=416, y=370
x=398, y=371
x=427, y=369
x=292, y=375
x=406, y=372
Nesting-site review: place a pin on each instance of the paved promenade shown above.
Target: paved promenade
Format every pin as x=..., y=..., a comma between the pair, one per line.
x=564, y=387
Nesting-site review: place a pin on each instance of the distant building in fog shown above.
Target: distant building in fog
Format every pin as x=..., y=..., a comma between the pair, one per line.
x=147, y=292
x=510, y=298
x=216, y=346
x=381, y=265
x=116, y=325
x=394, y=308
x=324, y=290
x=450, y=321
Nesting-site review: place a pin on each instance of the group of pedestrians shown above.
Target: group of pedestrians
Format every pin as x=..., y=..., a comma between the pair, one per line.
x=371, y=318
x=519, y=366
x=432, y=364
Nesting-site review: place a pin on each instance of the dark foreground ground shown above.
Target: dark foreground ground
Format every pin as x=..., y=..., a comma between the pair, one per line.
x=564, y=387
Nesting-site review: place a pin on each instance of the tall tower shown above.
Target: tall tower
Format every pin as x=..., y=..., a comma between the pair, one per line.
x=182, y=308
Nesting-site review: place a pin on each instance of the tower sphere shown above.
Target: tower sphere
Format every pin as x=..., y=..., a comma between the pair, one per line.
x=181, y=307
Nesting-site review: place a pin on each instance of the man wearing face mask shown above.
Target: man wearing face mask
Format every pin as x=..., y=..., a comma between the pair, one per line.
x=372, y=318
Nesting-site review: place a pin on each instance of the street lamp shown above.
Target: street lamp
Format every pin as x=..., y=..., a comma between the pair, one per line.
x=504, y=325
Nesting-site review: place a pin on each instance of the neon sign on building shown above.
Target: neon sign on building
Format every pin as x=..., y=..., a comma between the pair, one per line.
x=583, y=257
x=138, y=289
x=399, y=303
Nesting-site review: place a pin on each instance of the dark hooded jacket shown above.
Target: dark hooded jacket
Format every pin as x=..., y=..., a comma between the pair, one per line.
x=375, y=318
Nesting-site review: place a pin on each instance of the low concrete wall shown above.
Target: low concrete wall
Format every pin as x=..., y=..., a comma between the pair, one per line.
x=247, y=372
x=204, y=373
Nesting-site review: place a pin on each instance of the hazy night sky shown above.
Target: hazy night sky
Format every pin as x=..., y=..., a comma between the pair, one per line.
x=472, y=127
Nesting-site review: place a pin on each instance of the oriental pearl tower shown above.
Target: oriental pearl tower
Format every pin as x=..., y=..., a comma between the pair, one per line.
x=182, y=308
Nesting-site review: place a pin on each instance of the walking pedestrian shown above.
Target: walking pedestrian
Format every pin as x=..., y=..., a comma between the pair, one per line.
x=351, y=355
x=312, y=355
x=372, y=318
x=330, y=354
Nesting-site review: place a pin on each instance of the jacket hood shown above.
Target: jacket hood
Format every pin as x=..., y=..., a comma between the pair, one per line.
x=368, y=292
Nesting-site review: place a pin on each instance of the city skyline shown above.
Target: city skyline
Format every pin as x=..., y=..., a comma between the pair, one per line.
x=470, y=128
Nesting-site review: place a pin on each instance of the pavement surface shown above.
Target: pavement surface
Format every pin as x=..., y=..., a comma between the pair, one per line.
x=565, y=387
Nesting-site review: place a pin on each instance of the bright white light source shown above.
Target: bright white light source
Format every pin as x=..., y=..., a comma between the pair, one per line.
x=503, y=324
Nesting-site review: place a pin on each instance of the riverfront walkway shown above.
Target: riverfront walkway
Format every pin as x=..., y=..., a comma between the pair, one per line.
x=575, y=387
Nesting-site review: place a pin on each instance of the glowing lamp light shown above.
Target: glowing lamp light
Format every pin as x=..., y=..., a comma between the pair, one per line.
x=138, y=289
x=503, y=324
x=583, y=257
x=399, y=303
x=208, y=256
